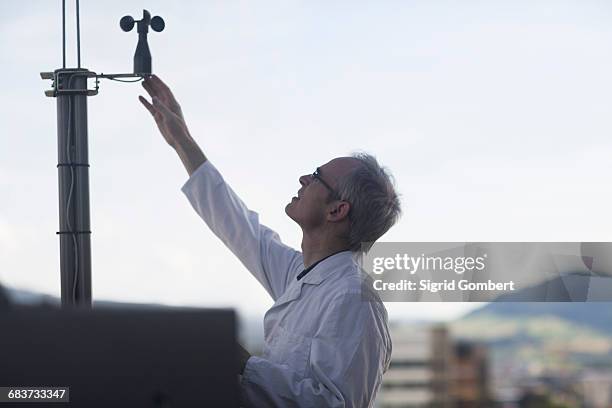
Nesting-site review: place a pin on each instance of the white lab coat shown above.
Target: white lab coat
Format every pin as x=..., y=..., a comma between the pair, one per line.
x=327, y=341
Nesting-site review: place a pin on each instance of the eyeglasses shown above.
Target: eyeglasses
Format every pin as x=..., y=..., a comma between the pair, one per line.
x=317, y=176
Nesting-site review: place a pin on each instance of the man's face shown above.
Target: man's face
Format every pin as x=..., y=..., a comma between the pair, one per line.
x=311, y=206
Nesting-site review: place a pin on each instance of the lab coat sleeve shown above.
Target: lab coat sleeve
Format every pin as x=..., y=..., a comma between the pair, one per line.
x=347, y=359
x=259, y=248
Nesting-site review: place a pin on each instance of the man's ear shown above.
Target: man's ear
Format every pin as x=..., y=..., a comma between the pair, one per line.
x=338, y=211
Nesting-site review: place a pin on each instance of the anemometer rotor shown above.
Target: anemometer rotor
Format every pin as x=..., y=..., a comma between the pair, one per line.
x=142, y=56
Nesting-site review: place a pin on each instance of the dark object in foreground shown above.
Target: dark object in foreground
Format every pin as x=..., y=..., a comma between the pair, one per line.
x=123, y=358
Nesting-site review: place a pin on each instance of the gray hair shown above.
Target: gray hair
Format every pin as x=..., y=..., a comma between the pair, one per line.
x=375, y=205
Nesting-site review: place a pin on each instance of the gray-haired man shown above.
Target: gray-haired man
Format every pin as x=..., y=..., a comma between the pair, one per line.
x=327, y=342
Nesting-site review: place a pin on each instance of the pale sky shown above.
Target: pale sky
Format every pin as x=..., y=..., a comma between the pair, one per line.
x=493, y=116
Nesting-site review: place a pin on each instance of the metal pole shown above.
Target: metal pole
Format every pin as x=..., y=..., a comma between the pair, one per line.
x=73, y=176
x=63, y=33
x=73, y=162
x=78, y=29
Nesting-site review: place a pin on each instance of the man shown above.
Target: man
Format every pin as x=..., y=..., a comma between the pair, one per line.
x=327, y=342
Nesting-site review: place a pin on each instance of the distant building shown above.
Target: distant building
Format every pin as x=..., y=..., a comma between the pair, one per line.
x=469, y=375
x=420, y=367
x=429, y=370
x=596, y=389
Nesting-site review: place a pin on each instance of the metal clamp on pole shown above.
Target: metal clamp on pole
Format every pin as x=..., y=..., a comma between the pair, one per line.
x=61, y=78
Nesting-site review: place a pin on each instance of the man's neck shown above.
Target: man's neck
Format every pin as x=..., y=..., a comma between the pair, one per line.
x=316, y=248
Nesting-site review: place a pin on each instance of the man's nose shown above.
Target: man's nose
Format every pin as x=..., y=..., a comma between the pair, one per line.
x=305, y=179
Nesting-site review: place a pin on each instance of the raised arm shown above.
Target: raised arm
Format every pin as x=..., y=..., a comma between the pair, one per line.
x=259, y=248
x=169, y=119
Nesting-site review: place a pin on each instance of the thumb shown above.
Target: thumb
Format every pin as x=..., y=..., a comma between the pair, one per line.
x=147, y=105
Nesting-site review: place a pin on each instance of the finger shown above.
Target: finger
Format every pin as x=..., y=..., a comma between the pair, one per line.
x=147, y=86
x=160, y=84
x=164, y=96
x=147, y=105
x=162, y=90
x=152, y=86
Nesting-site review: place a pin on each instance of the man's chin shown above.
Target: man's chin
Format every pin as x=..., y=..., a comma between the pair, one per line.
x=289, y=211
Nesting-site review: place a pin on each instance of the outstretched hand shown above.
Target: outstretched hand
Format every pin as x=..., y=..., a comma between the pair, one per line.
x=165, y=110
x=157, y=88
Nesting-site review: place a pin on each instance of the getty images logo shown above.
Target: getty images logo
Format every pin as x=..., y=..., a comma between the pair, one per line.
x=414, y=264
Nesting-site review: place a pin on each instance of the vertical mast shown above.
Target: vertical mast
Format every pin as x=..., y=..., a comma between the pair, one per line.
x=73, y=176
x=70, y=89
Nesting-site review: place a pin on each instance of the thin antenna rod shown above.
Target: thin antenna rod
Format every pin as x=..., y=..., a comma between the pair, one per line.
x=78, y=36
x=64, y=33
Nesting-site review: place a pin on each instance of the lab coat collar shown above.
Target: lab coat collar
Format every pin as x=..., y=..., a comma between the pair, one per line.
x=327, y=267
